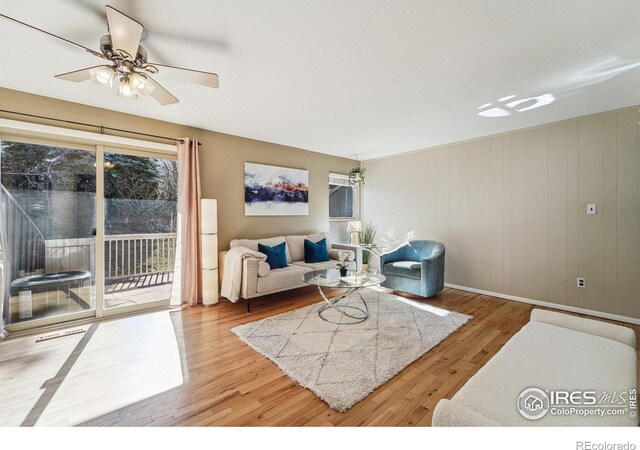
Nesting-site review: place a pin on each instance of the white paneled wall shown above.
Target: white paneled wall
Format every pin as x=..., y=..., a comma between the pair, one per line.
x=511, y=210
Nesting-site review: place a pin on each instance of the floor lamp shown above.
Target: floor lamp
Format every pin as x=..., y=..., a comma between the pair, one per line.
x=209, y=242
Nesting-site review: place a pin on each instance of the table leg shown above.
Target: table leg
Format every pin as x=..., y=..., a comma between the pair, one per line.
x=361, y=315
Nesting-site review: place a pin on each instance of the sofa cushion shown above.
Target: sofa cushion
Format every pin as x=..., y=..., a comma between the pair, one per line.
x=252, y=244
x=315, y=252
x=281, y=279
x=407, y=269
x=276, y=255
x=550, y=357
x=295, y=244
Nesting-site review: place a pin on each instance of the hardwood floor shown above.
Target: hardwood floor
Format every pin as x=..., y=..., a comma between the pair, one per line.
x=224, y=382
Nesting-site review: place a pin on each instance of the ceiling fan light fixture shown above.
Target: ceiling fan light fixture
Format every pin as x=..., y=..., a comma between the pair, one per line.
x=141, y=84
x=103, y=75
x=125, y=89
x=128, y=59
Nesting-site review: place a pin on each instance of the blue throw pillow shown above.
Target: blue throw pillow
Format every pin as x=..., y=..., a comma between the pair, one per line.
x=276, y=255
x=315, y=252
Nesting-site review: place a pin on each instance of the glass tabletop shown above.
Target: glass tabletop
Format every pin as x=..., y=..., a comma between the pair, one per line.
x=331, y=278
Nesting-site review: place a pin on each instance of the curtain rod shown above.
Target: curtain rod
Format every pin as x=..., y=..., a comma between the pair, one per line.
x=100, y=127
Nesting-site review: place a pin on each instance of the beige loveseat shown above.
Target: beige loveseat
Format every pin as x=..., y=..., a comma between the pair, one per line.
x=553, y=352
x=259, y=279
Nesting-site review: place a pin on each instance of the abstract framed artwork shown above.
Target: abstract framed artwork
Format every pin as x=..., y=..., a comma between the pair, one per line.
x=275, y=191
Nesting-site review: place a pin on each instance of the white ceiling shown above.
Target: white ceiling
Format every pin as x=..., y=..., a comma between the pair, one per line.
x=346, y=77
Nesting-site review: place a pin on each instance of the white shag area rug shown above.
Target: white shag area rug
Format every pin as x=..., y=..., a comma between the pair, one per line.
x=342, y=364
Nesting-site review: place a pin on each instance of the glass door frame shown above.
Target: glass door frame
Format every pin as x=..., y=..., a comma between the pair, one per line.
x=94, y=143
x=154, y=304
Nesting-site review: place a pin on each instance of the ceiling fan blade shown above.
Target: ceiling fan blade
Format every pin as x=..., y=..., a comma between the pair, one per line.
x=77, y=75
x=160, y=94
x=190, y=76
x=86, y=49
x=125, y=32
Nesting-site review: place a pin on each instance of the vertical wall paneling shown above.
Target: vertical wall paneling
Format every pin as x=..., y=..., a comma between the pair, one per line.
x=556, y=213
x=573, y=213
x=474, y=225
x=536, y=213
x=591, y=190
x=518, y=212
x=609, y=212
x=496, y=224
x=628, y=218
x=511, y=210
x=486, y=213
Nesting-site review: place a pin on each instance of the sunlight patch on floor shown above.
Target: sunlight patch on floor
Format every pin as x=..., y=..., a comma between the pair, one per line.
x=124, y=361
x=424, y=306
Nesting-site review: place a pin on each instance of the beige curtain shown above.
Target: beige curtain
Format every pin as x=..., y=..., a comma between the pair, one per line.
x=189, y=218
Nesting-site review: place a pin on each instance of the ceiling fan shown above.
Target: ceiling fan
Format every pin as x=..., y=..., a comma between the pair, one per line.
x=128, y=69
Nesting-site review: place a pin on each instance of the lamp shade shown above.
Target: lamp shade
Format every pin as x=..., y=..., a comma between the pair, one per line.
x=209, y=214
x=354, y=226
x=209, y=251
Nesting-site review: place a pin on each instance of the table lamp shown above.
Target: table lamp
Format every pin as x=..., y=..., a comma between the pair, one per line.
x=354, y=227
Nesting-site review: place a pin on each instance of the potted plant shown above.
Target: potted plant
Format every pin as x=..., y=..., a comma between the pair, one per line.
x=342, y=265
x=367, y=236
x=356, y=176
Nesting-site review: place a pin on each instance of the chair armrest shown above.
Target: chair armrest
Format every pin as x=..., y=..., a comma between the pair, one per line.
x=597, y=328
x=451, y=414
x=249, y=277
x=432, y=260
x=356, y=249
x=394, y=255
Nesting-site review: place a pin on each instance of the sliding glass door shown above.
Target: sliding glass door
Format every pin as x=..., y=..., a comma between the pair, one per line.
x=85, y=231
x=140, y=194
x=47, y=226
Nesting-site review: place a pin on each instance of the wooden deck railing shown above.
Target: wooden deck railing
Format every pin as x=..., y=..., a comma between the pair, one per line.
x=139, y=254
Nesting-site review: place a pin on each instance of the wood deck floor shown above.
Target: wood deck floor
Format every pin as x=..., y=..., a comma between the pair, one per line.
x=128, y=291
x=207, y=376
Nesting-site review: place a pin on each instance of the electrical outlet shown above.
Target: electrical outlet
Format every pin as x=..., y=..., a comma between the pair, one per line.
x=581, y=282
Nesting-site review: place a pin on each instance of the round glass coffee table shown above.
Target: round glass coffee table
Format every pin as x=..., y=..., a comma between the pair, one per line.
x=352, y=283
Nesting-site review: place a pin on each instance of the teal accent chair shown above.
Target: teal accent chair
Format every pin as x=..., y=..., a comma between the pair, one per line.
x=416, y=267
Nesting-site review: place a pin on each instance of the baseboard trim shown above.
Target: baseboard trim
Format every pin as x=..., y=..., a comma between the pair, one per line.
x=590, y=312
